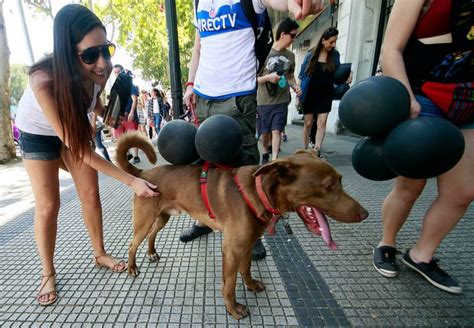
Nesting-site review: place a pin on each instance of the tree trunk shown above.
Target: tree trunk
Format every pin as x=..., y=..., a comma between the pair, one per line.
x=7, y=146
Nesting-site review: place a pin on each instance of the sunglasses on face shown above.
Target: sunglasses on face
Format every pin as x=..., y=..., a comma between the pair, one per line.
x=91, y=55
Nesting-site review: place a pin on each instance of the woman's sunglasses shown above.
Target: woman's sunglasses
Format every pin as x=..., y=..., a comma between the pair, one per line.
x=91, y=55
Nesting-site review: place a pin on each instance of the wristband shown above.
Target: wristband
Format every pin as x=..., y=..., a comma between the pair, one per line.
x=189, y=83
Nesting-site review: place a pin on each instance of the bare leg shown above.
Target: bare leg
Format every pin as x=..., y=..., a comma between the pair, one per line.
x=308, y=122
x=321, y=131
x=397, y=207
x=276, y=142
x=266, y=139
x=45, y=184
x=87, y=186
x=455, y=194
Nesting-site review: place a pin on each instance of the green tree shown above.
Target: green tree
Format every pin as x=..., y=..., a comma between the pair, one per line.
x=7, y=147
x=18, y=81
x=142, y=32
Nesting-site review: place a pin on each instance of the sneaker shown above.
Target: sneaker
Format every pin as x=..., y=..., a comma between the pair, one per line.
x=385, y=262
x=433, y=273
x=285, y=138
x=136, y=160
x=194, y=232
x=258, y=251
x=265, y=158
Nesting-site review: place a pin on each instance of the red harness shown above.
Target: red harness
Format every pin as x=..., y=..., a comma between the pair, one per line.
x=269, y=223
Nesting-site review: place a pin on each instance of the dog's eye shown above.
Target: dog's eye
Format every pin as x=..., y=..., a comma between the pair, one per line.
x=328, y=186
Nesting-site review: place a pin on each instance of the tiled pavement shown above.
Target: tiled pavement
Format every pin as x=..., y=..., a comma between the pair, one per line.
x=307, y=283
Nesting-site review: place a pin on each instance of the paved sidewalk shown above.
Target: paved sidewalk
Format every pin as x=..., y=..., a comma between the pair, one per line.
x=307, y=284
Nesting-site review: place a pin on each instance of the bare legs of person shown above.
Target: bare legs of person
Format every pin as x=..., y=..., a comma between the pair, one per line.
x=320, y=132
x=455, y=194
x=45, y=184
x=276, y=142
x=308, y=122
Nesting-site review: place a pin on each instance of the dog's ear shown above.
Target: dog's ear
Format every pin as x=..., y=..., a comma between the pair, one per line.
x=283, y=169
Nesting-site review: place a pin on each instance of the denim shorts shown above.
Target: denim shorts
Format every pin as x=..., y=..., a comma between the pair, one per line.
x=39, y=147
x=428, y=108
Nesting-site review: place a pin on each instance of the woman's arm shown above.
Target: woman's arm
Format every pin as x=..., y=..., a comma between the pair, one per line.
x=400, y=27
x=39, y=84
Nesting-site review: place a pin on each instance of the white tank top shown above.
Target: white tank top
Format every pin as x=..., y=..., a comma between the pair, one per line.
x=30, y=117
x=227, y=63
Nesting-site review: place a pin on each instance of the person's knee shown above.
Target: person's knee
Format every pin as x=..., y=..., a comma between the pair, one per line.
x=408, y=193
x=47, y=209
x=462, y=195
x=90, y=199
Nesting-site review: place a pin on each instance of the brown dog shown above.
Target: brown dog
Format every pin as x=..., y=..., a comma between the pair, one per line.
x=300, y=182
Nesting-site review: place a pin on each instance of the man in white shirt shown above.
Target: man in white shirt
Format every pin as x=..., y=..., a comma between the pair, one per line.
x=223, y=73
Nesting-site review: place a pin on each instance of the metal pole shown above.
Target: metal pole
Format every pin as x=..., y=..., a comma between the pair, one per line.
x=173, y=58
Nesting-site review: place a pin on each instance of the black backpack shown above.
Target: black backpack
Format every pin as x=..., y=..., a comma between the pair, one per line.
x=119, y=96
x=262, y=28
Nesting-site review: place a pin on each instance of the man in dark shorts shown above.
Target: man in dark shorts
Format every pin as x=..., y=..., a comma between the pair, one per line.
x=274, y=82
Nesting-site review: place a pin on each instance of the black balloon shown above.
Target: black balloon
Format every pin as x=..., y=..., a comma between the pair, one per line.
x=374, y=106
x=424, y=147
x=219, y=139
x=176, y=142
x=368, y=160
x=342, y=73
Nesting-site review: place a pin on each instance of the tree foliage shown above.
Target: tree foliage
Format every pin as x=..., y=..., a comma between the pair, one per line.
x=142, y=31
x=18, y=81
x=7, y=147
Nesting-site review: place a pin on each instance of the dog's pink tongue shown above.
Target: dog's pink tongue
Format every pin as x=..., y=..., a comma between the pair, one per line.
x=325, y=231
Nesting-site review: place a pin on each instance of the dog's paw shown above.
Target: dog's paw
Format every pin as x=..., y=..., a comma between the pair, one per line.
x=238, y=311
x=153, y=257
x=256, y=286
x=133, y=271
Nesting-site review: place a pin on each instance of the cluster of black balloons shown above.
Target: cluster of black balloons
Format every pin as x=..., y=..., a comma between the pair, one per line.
x=218, y=140
x=379, y=109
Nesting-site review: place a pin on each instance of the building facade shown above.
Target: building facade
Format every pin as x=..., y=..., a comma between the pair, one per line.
x=361, y=25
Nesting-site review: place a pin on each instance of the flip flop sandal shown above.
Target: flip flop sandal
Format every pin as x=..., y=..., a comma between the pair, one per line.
x=115, y=268
x=51, y=292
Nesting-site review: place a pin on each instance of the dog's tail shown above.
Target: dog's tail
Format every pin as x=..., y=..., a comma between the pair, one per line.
x=131, y=140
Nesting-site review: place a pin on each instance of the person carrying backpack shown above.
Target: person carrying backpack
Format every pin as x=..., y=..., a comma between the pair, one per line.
x=230, y=37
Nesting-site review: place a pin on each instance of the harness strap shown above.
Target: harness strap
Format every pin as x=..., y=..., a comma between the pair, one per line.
x=276, y=214
x=263, y=197
x=203, y=182
x=247, y=200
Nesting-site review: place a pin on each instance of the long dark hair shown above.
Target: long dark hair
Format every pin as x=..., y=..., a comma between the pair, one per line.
x=71, y=24
x=330, y=65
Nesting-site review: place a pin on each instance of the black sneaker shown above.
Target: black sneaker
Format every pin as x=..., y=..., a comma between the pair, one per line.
x=384, y=261
x=284, y=138
x=194, y=232
x=433, y=273
x=136, y=160
x=265, y=158
x=258, y=251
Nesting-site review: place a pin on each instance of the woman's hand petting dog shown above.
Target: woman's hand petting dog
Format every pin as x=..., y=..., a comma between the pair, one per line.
x=144, y=188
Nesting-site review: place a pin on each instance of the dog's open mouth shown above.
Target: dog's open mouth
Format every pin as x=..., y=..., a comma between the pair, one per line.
x=317, y=223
